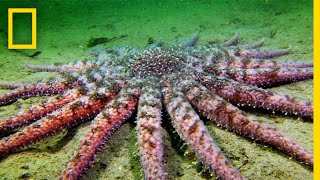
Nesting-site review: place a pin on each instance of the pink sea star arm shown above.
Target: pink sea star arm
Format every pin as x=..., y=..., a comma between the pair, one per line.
x=116, y=112
x=254, y=45
x=192, y=130
x=256, y=97
x=229, y=116
x=192, y=41
x=262, y=77
x=262, y=54
x=220, y=56
x=249, y=63
x=234, y=40
x=68, y=68
x=35, y=90
x=38, y=111
x=150, y=133
x=77, y=112
x=10, y=85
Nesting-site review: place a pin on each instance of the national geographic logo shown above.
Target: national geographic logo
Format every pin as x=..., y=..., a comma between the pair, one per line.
x=33, y=12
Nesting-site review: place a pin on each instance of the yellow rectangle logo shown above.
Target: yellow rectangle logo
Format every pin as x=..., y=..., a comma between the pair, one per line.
x=33, y=12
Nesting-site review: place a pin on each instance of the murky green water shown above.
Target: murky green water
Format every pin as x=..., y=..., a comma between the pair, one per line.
x=66, y=27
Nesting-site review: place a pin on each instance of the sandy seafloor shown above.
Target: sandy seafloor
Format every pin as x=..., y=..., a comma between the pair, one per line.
x=64, y=29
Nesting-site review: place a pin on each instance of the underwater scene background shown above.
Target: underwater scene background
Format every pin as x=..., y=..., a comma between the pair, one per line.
x=66, y=31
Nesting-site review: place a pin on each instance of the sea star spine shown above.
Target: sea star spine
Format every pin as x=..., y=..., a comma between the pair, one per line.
x=150, y=133
x=35, y=90
x=77, y=112
x=263, y=77
x=116, y=112
x=192, y=130
x=252, y=96
x=229, y=116
x=38, y=111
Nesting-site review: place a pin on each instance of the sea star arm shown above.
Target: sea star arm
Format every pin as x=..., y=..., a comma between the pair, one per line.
x=229, y=116
x=116, y=112
x=192, y=130
x=38, y=111
x=244, y=56
x=220, y=56
x=254, y=45
x=77, y=112
x=234, y=40
x=252, y=96
x=254, y=53
x=64, y=69
x=41, y=89
x=250, y=63
x=10, y=85
x=262, y=54
x=150, y=133
x=189, y=42
x=263, y=77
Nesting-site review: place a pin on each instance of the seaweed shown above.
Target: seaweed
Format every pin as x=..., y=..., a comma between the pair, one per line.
x=35, y=54
x=151, y=40
x=273, y=33
x=100, y=40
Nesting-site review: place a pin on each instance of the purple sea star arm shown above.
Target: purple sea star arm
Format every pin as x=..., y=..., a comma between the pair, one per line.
x=41, y=89
x=190, y=42
x=262, y=54
x=254, y=45
x=229, y=116
x=110, y=119
x=65, y=69
x=10, y=85
x=252, y=96
x=249, y=63
x=262, y=77
x=234, y=40
x=220, y=56
x=192, y=130
x=150, y=133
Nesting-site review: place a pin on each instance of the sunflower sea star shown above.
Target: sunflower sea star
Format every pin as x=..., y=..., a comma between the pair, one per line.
x=214, y=80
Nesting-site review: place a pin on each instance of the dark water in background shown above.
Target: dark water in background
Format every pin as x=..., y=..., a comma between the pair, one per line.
x=64, y=29
x=159, y=18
